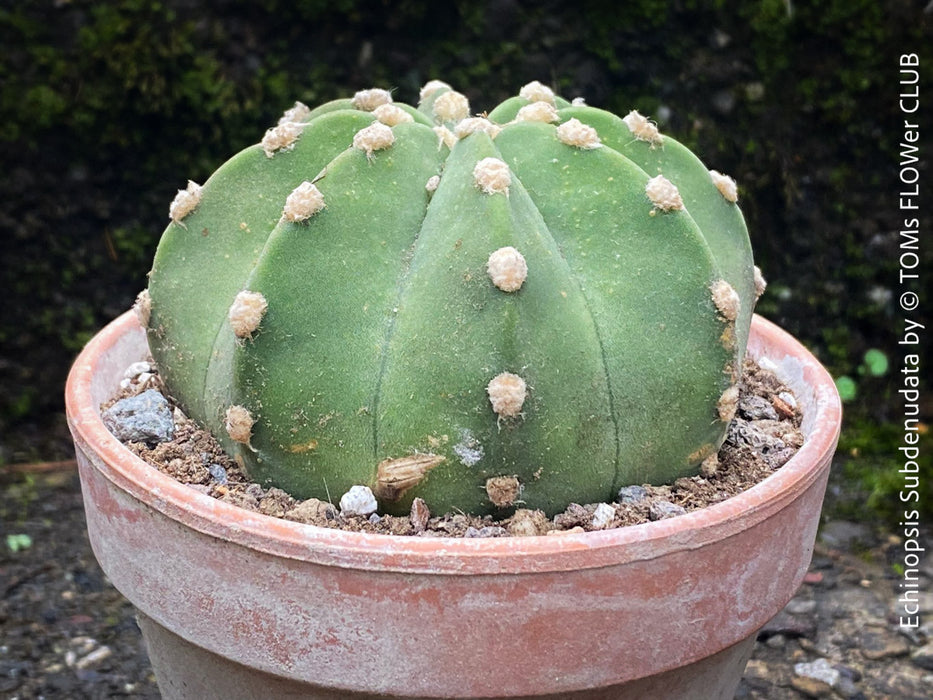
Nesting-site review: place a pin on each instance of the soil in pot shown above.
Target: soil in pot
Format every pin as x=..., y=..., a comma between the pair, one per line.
x=762, y=437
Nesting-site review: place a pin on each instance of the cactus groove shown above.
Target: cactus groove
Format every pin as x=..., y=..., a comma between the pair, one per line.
x=534, y=309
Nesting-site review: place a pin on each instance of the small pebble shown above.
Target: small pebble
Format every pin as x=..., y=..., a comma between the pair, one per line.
x=144, y=418
x=359, y=500
x=757, y=408
x=137, y=373
x=632, y=494
x=603, y=516
x=95, y=657
x=777, y=641
x=137, y=368
x=661, y=510
x=218, y=473
x=811, y=687
x=820, y=670
x=800, y=607
x=420, y=515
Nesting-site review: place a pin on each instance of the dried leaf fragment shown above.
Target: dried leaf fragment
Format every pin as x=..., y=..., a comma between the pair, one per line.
x=396, y=476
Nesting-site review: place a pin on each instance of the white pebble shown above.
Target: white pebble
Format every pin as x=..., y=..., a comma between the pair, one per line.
x=820, y=670
x=95, y=657
x=603, y=515
x=359, y=500
x=135, y=369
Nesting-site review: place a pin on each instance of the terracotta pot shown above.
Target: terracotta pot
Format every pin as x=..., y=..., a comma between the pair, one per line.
x=235, y=604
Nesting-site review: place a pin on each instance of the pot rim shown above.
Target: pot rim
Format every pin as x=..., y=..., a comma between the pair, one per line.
x=448, y=555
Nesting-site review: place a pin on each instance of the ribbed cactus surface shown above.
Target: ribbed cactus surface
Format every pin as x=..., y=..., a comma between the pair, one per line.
x=534, y=308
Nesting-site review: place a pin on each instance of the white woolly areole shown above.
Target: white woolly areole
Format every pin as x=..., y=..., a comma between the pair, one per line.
x=575, y=133
x=359, y=500
x=536, y=91
x=538, y=112
x=451, y=107
x=239, y=424
x=445, y=137
x=246, y=313
x=430, y=87
x=374, y=137
x=603, y=516
x=728, y=403
x=143, y=308
x=507, y=269
x=578, y=102
x=432, y=183
x=492, y=175
x=726, y=186
x=642, y=129
x=298, y=113
x=304, y=202
x=726, y=299
x=281, y=137
x=185, y=202
x=503, y=491
x=391, y=115
x=760, y=284
x=472, y=125
x=368, y=100
x=507, y=393
x=663, y=193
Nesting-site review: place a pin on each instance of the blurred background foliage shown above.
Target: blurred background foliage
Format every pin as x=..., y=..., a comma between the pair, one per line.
x=107, y=108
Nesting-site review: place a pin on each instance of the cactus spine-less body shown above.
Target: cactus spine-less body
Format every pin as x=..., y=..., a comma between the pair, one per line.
x=535, y=309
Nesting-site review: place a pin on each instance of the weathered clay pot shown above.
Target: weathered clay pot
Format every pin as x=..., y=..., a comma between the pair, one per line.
x=239, y=605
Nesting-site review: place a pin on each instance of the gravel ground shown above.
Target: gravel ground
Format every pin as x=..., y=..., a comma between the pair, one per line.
x=66, y=633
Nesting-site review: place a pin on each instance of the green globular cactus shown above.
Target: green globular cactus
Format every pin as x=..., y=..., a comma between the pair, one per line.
x=534, y=308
